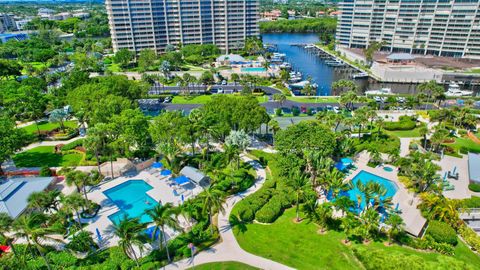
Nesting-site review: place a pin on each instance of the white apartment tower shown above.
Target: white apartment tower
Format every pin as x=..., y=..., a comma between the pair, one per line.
x=436, y=27
x=154, y=24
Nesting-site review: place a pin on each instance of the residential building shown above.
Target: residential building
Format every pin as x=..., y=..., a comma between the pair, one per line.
x=271, y=15
x=21, y=23
x=7, y=23
x=436, y=27
x=13, y=36
x=45, y=13
x=61, y=16
x=154, y=24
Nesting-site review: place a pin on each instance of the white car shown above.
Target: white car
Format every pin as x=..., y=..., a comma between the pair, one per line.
x=220, y=90
x=377, y=99
x=336, y=109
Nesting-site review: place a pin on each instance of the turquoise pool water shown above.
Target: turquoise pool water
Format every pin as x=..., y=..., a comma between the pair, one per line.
x=132, y=200
x=365, y=177
x=253, y=69
x=388, y=169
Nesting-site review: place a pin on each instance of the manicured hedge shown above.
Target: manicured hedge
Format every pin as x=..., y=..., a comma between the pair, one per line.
x=473, y=202
x=72, y=145
x=442, y=232
x=404, y=123
x=274, y=208
x=474, y=187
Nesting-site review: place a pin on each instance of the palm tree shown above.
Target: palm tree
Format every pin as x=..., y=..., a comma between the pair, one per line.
x=324, y=211
x=163, y=216
x=367, y=192
x=6, y=227
x=309, y=208
x=343, y=203
x=211, y=201
x=280, y=98
x=73, y=203
x=424, y=132
x=32, y=227
x=336, y=183
x=347, y=99
x=396, y=226
x=44, y=200
x=369, y=220
x=299, y=184
x=130, y=232
x=350, y=224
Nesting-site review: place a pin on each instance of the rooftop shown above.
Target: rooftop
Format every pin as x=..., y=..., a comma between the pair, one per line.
x=400, y=56
x=14, y=193
x=231, y=58
x=193, y=174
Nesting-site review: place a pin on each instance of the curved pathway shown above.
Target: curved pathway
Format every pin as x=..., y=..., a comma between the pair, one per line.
x=228, y=249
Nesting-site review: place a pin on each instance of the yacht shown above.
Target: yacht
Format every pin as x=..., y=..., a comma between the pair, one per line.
x=286, y=65
x=455, y=91
x=383, y=91
x=360, y=75
x=279, y=55
x=295, y=76
x=309, y=46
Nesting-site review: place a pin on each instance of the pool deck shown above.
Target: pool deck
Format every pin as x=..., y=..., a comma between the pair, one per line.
x=414, y=222
x=461, y=190
x=161, y=192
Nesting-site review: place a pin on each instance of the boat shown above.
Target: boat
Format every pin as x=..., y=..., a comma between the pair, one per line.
x=295, y=77
x=334, y=63
x=383, y=91
x=285, y=65
x=279, y=55
x=455, y=91
x=301, y=85
x=309, y=47
x=360, y=75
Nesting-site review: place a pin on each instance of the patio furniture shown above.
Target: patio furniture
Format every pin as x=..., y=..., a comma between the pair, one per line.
x=453, y=175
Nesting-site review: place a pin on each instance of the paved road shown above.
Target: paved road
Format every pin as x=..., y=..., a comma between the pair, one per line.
x=228, y=249
x=159, y=89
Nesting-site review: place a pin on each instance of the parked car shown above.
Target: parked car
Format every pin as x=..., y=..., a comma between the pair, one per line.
x=336, y=109
x=224, y=82
x=167, y=99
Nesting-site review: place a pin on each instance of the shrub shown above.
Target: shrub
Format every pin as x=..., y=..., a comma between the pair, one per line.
x=442, y=232
x=270, y=211
x=474, y=187
x=278, y=112
x=62, y=259
x=45, y=171
x=72, y=145
x=82, y=242
x=246, y=214
x=473, y=202
x=404, y=123
x=295, y=111
x=470, y=236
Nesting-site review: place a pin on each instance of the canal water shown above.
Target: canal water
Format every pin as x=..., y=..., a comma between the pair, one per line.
x=311, y=65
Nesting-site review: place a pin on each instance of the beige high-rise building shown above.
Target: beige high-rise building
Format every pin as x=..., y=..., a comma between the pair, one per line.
x=437, y=27
x=154, y=24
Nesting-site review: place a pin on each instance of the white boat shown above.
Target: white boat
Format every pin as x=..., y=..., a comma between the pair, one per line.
x=383, y=91
x=309, y=46
x=279, y=55
x=286, y=65
x=360, y=75
x=455, y=91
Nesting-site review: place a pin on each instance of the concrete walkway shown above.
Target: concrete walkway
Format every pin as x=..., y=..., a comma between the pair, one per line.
x=405, y=146
x=228, y=249
x=49, y=143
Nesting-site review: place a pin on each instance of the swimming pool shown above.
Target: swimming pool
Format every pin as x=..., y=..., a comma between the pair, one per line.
x=366, y=177
x=388, y=169
x=253, y=69
x=132, y=200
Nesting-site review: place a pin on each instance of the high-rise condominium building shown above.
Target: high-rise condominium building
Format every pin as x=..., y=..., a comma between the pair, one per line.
x=154, y=24
x=437, y=27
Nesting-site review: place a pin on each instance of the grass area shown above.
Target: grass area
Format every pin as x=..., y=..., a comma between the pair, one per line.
x=301, y=247
x=35, y=65
x=224, y=266
x=47, y=126
x=474, y=71
x=114, y=67
x=45, y=156
x=466, y=144
x=202, y=99
x=314, y=100
x=414, y=133
x=195, y=68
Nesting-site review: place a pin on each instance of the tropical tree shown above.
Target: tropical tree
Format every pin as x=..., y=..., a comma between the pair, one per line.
x=73, y=203
x=299, y=185
x=280, y=98
x=238, y=140
x=336, y=183
x=211, y=200
x=130, y=232
x=395, y=223
x=6, y=226
x=274, y=126
x=432, y=89
x=59, y=116
x=324, y=212
x=44, y=200
x=32, y=227
x=371, y=49
x=165, y=68
x=343, y=203
x=347, y=99
x=341, y=86
x=308, y=89
x=163, y=216
x=350, y=225
x=369, y=222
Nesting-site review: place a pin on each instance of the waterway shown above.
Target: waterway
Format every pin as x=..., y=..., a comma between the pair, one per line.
x=307, y=63
x=312, y=65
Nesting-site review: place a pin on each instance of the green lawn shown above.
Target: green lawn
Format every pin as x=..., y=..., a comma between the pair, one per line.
x=47, y=126
x=466, y=143
x=45, y=156
x=114, y=67
x=414, y=133
x=313, y=100
x=224, y=266
x=202, y=99
x=301, y=247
